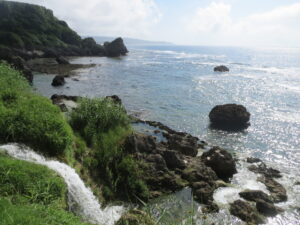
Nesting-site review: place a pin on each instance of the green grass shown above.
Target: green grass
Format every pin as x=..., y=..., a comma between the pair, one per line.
x=32, y=194
x=28, y=118
x=104, y=125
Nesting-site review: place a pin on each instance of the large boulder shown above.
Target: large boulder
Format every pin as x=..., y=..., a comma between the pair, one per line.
x=139, y=143
x=278, y=192
x=267, y=208
x=221, y=68
x=245, y=212
x=221, y=162
x=115, y=48
x=229, y=117
x=58, y=81
x=255, y=195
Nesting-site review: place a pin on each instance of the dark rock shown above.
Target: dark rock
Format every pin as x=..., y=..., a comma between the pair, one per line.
x=173, y=160
x=115, y=48
x=267, y=208
x=221, y=68
x=62, y=60
x=264, y=170
x=253, y=160
x=139, y=143
x=211, y=207
x=255, y=195
x=158, y=161
x=245, y=212
x=203, y=192
x=92, y=48
x=116, y=99
x=229, y=117
x=199, y=172
x=221, y=162
x=297, y=183
x=58, y=81
x=278, y=192
x=187, y=145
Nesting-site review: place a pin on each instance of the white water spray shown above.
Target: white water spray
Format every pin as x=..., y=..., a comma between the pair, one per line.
x=80, y=198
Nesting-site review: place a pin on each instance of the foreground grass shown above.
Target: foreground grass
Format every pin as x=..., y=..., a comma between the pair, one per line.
x=29, y=118
x=32, y=194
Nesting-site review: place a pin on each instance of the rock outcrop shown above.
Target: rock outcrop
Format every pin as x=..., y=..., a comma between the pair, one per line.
x=231, y=117
x=221, y=68
x=115, y=48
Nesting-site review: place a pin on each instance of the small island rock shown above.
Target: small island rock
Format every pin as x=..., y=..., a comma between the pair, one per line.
x=58, y=81
x=221, y=68
x=229, y=117
x=115, y=48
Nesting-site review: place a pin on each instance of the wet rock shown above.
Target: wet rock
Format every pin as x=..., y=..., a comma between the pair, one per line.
x=245, y=212
x=173, y=160
x=116, y=99
x=135, y=217
x=229, y=117
x=221, y=162
x=58, y=81
x=253, y=160
x=62, y=60
x=203, y=192
x=115, y=48
x=267, y=208
x=278, y=192
x=139, y=143
x=199, y=172
x=264, y=170
x=211, y=207
x=221, y=68
x=255, y=195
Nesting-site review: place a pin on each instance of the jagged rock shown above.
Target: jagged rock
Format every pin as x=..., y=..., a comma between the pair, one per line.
x=255, y=195
x=199, y=172
x=203, y=192
x=158, y=161
x=115, y=48
x=187, y=145
x=278, y=192
x=173, y=160
x=221, y=68
x=211, y=207
x=245, y=212
x=221, y=162
x=140, y=143
x=264, y=170
x=229, y=117
x=267, y=208
x=253, y=160
x=58, y=81
x=62, y=60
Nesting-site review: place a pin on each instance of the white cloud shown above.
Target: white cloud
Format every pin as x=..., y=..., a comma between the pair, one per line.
x=105, y=17
x=279, y=26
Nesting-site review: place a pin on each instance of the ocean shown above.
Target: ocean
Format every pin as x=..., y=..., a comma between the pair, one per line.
x=177, y=86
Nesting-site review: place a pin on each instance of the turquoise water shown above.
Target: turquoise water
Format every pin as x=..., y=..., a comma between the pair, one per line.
x=176, y=85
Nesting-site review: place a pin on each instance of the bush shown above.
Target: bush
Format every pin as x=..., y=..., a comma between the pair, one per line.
x=28, y=118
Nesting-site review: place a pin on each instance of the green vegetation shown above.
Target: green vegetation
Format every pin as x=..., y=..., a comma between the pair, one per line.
x=32, y=194
x=31, y=26
x=104, y=125
x=28, y=118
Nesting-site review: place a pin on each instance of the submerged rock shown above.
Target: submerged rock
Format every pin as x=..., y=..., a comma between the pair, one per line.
x=221, y=68
x=253, y=160
x=115, y=48
x=262, y=168
x=231, y=117
x=255, y=195
x=221, y=162
x=58, y=81
x=245, y=212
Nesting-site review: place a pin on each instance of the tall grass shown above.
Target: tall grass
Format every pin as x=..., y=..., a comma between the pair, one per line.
x=29, y=118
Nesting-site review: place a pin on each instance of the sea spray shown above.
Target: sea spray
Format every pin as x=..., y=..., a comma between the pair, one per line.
x=81, y=200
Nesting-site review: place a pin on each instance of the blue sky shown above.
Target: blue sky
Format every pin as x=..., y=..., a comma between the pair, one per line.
x=267, y=23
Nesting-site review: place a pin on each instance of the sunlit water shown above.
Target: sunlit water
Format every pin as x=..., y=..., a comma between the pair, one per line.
x=81, y=200
x=177, y=86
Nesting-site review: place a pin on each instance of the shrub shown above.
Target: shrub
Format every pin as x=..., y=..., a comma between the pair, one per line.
x=28, y=118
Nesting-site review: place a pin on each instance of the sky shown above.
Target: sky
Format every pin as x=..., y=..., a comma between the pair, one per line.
x=257, y=23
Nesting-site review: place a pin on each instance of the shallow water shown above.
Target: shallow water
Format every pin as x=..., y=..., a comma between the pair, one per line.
x=176, y=85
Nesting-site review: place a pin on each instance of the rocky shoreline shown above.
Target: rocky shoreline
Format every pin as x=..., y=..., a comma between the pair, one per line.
x=173, y=160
